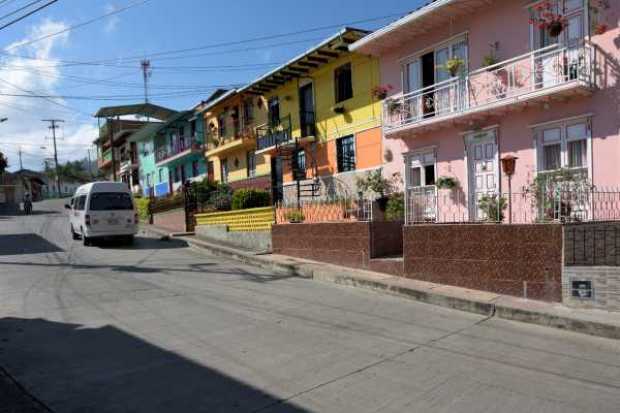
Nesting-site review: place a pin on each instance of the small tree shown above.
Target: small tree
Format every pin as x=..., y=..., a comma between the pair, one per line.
x=375, y=182
x=4, y=163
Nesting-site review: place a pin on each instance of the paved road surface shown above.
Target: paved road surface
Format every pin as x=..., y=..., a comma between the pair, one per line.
x=160, y=327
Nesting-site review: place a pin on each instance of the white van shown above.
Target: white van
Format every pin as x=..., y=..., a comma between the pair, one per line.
x=103, y=210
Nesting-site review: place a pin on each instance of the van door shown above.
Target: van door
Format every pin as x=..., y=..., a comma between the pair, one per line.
x=77, y=213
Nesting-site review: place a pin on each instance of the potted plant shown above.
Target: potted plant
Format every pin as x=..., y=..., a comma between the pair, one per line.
x=493, y=207
x=376, y=183
x=339, y=109
x=447, y=182
x=489, y=60
x=381, y=92
x=454, y=65
x=394, y=106
x=295, y=216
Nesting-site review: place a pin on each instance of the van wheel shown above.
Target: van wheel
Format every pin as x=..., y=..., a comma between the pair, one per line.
x=74, y=234
x=87, y=241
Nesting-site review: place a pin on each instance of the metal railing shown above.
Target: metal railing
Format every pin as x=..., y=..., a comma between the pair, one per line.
x=431, y=205
x=272, y=135
x=179, y=146
x=326, y=209
x=532, y=72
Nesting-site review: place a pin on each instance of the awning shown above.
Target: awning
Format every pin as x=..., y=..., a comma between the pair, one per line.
x=142, y=109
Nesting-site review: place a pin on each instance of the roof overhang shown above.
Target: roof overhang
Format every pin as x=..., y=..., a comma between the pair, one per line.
x=438, y=13
x=321, y=54
x=141, y=109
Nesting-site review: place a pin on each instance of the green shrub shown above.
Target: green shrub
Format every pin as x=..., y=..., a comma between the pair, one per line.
x=295, y=216
x=395, y=209
x=221, y=198
x=493, y=207
x=204, y=189
x=250, y=198
x=142, y=205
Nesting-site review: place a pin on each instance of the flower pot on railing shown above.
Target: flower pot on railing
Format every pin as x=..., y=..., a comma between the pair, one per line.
x=555, y=28
x=447, y=182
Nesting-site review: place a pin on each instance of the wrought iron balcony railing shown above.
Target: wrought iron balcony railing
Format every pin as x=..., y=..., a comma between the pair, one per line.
x=535, y=72
x=269, y=136
x=178, y=147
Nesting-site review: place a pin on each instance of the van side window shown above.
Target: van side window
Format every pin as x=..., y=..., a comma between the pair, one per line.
x=80, y=203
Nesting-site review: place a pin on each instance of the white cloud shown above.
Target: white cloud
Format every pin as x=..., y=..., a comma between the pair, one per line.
x=112, y=21
x=24, y=126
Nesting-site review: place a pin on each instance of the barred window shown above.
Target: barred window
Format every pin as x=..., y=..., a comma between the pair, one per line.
x=343, y=83
x=345, y=151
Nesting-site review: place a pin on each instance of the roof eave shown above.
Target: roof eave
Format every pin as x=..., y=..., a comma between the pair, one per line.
x=364, y=45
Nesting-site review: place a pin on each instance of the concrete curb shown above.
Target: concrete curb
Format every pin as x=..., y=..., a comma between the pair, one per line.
x=478, y=302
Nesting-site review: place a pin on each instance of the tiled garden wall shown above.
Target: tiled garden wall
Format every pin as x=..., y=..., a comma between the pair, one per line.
x=506, y=259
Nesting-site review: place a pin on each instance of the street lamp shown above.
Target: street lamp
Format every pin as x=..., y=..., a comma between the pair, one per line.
x=509, y=164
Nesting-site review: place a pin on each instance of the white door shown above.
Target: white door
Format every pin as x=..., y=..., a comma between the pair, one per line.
x=483, y=170
x=421, y=189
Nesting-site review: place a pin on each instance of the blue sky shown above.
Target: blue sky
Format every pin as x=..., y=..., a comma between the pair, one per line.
x=146, y=30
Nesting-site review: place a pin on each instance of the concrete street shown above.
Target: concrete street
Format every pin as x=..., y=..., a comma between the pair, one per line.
x=160, y=327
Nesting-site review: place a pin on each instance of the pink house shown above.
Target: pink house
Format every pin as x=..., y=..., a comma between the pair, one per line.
x=474, y=81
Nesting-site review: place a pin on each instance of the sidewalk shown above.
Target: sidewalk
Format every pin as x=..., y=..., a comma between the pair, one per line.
x=593, y=322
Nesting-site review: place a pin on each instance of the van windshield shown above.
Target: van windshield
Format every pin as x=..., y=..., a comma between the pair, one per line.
x=110, y=201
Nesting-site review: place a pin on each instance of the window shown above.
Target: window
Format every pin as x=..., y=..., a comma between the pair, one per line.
x=110, y=201
x=563, y=145
x=221, y=121
x=274, y=111
x=195, y=169
x=80, y=203
x=343, y=83
x=192, y=127
x=248, y=111
x=345, y=151
x=161, y=175
x=149, y=180
x=177, y=175
x=421, y=169
x=251, y=163
x=224, y=170
x=299, y=165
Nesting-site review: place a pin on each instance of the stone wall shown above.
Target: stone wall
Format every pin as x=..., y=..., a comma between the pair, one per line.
x=254, y=241
x=346, y=244
x=173, y=220
x=592, y=244
x=591, y=273
x=516, y=260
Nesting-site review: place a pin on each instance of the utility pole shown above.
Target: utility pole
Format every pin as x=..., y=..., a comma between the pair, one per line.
x=146, y=73
x=90, y=166
x=53, y=126
x=19, y=152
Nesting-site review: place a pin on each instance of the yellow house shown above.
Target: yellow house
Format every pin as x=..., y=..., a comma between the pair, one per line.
x=230, y=123
x=323, y=125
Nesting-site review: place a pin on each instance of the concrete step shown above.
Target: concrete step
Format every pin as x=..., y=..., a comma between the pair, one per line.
x=387, y=265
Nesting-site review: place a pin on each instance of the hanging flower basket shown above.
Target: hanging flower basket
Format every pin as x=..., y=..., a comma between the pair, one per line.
x=555, y=28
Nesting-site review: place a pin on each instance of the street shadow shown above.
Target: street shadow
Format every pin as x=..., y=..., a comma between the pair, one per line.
x=21, y=244
x=141, y=243
x=70, y=367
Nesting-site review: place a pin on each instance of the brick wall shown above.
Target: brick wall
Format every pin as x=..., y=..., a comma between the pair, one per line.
x=592, y=244
x=260, y=182
x=173, y=220
x=345, y=244
x=495, y=258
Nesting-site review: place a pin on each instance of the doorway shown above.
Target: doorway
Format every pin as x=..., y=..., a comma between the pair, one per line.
x=306, y=110
x=277, y=180
x=483, y=170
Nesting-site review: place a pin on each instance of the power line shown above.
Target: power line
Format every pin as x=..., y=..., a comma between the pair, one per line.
x=77, y=26
x=22, y=17
x=20, y=9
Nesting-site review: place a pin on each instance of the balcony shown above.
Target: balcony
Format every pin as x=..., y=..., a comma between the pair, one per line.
x=105, y=161
x=128, y=164
x=551, y=73
x=177, y=150
x=244, y=138
x=272, y=137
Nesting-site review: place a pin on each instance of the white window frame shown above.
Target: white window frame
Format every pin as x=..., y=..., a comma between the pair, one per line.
x=564, y=158
x=412, y=59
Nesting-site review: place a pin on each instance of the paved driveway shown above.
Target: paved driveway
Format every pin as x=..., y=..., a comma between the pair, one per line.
x=160, y=327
